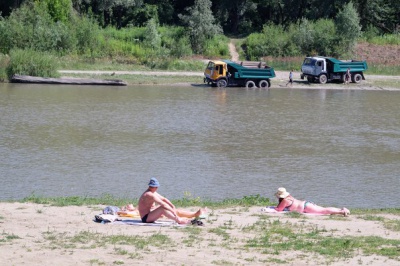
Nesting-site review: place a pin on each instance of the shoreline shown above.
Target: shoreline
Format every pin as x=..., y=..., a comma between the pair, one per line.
x=182, y=78
x=41, y=234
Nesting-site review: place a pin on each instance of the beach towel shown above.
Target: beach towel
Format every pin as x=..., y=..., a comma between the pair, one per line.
x=131, y=214
x=113, y=219
x=140, y=223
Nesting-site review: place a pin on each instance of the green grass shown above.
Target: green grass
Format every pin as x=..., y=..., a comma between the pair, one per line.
x=128, y=64
x=386, y=39
x=186, y=201
x=92, y=240
x=240, y=204
x=393, y=225
x=383, y=70
x=277, y=237
x=6, y=237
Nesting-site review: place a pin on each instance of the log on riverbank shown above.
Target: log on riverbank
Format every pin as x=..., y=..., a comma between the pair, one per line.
x=71, y=81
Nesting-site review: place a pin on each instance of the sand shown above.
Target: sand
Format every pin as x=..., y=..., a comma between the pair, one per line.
x=38, y=234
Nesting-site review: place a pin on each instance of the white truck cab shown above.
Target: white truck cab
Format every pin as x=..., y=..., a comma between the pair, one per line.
x=313, y=67
x=324, y=69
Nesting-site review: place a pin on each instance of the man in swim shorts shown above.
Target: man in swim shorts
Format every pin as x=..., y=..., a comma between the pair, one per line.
x=149, y=214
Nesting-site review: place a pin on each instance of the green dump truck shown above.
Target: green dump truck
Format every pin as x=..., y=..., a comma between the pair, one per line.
x=247, y=74
x=324, y=69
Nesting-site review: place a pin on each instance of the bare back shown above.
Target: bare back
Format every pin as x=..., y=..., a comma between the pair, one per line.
x=297, y=206
x=291, y=204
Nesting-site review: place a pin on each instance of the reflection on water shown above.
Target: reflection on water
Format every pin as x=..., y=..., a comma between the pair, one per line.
x=334, y=147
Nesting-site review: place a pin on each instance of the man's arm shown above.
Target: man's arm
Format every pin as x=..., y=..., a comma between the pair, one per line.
x=164, y=199
x=164, y=202
x=169, y=203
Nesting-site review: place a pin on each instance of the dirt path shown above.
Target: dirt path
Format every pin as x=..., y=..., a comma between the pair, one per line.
x=233, y=52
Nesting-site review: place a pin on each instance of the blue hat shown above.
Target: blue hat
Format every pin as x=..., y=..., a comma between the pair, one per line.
x=154, y=182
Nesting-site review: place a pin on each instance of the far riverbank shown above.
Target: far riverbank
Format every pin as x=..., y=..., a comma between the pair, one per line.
x=180, y=78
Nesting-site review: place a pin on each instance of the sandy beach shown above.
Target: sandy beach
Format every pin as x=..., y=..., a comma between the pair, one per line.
x=38, y=234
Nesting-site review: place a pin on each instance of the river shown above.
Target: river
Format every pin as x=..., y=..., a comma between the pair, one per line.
x=333, y=147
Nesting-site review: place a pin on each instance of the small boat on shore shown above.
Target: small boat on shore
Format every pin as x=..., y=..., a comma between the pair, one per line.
x=71, y=81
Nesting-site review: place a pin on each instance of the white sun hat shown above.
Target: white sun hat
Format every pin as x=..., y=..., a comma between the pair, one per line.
x=282, y=193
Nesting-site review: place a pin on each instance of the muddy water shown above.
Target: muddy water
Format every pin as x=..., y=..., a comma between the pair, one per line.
x=333, y=147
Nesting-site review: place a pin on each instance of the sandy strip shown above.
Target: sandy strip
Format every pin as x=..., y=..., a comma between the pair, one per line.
x=280, y=81
x=38, y=234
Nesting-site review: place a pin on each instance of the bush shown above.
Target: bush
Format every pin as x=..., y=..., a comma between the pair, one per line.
x=32, y=63
x=217, y=46
x=386, y=39
x=4, y=60
x=87, y=35
x=181, y=48
x=31, y=27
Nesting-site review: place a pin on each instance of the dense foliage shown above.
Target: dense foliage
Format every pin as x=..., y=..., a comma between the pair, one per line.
x=236, y=16
x=158, y=33
x=31, y=63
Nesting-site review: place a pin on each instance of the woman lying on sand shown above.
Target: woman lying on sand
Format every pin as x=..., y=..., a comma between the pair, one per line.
x=289, y=203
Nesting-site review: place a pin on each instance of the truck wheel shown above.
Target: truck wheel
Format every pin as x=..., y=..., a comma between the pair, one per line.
x=356, y=78
x=344, y=78
x=263, y=84
x=222, y=83
x=323, y=79
x=250, y=84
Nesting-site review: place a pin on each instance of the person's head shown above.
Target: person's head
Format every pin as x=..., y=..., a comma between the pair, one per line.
x=130, y=207
x=281, y=193
x=153, y=183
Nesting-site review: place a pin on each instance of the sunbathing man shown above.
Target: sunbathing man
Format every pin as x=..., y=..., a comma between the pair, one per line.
x=130, y=210
x=150, y=214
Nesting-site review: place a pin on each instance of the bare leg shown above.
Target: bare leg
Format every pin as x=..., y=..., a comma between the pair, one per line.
x=155, y=214
x=189, y=214
x=313, y=208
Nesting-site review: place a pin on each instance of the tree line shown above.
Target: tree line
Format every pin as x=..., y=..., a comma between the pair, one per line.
x=234, y=16
x=159, y=33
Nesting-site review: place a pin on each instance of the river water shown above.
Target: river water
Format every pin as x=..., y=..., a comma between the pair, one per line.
x=333, y=147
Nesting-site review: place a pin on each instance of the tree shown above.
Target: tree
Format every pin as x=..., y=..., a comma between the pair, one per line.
x=59, y=10
x=234, y=13
x=201, y=23
x=108, y=12
x=304, y=37
x=381, y=14
x=348, y=28
x=152, y=38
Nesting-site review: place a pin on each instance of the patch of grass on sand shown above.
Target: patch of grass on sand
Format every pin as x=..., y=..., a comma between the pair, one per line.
x=92, y=240
x=393, y=225
x=222, y=262
x=277, y=237
x=5, y=237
